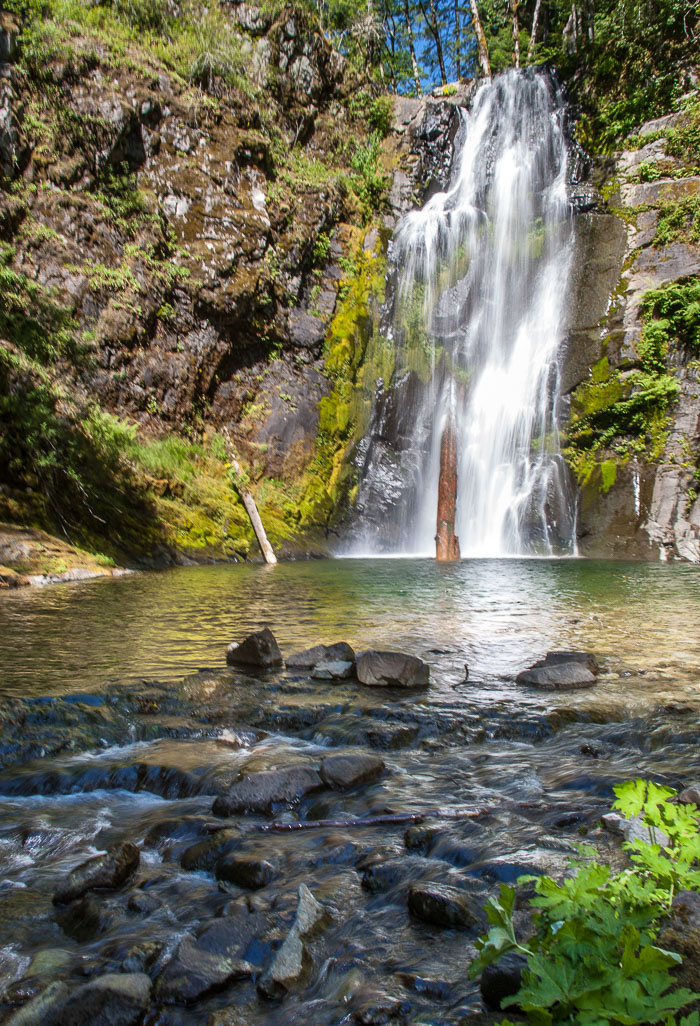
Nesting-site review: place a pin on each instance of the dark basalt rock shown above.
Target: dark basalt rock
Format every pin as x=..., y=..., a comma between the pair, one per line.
x=311, y=657
x=259, y=792
x=84, y=919
x=104, y=872
x=194, y=971
x=117, y=999
x=553, y=676
x=442, y=905
x=382, y=876
x=502, y=979
x=258, y=651
x=206, y=853
x=690, y=795
x=344, y=772
x=391, y=668
x=245, y=871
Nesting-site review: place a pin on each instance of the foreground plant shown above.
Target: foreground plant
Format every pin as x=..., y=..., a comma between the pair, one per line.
x=593, y=957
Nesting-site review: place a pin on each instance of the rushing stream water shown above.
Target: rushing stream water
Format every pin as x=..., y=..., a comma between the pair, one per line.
x=481, y=276
x=121, y=722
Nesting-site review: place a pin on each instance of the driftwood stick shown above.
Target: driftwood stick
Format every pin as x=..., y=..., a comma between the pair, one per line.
x=457, y=812
x=248, y=501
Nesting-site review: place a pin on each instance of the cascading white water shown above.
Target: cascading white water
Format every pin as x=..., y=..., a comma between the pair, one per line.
x=481, y=276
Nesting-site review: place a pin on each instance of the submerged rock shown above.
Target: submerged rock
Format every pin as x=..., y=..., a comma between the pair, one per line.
x=311, y=657
x=104, y=872
x=344, y=772
x=382, y=669
x=553, y=676
x=117, y=999
x=258, y=651
x=206, y=853
x=258, y=792
x=290, y=965
x=442, y=905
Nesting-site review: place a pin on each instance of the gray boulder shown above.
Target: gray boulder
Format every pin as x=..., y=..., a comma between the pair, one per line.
x=442, y=905
x=290, y=964
x=258, y=651
x=193, y=972
x=343, y=772
x=104, y=872
x=259, y=792
x=556, y=676
x=381, y=669
x=311, y=657
x=335, y=669
x=117, y=999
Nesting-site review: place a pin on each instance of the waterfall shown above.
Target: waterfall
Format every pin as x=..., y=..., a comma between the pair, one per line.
x=478, y=282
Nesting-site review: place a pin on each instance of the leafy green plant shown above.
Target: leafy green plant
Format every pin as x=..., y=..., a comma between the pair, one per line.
x=593, y=956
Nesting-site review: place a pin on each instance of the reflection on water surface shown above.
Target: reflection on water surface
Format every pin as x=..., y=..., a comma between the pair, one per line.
x=495, y=615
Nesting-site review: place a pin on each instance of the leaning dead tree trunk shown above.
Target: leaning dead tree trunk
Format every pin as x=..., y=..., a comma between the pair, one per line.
x=533, y=34
x=480, y=39
x=516, y=32
x=239, y=482
x=446, y=542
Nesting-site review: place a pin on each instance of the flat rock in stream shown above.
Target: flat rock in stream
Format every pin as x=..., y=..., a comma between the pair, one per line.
x=343, y=772
x=259, y=792
x=557, y=676
x=334, y=669
x=104, y=872
x=193, y=971
x=442, y=905
x=311, y=657
x=557, y=656
x=259, y=651
x=117, y=999
x=395, y=669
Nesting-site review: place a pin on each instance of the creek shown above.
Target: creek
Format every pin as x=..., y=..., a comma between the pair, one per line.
x=121, y=722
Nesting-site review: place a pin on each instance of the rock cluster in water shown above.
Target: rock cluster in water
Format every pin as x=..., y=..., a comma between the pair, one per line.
x=322, y=850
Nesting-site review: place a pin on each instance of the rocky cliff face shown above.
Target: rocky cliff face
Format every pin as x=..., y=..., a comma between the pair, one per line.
x=186, y=231
x=631, y=366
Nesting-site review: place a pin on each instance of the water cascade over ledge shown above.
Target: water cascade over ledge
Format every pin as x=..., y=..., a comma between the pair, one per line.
x=476, y=310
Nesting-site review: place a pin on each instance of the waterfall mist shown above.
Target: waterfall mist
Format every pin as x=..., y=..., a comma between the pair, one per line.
x=476, y=302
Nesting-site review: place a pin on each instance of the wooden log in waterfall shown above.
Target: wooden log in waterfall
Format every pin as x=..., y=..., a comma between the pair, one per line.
x=446, y=542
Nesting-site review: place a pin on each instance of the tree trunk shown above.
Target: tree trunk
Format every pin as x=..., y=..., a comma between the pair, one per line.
x=446, y=542
x=458, y=43
x=438, y=42
x=480, y=40
x=412, y=48
x=516, y=32
x=533, y=34
x=250, y=507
